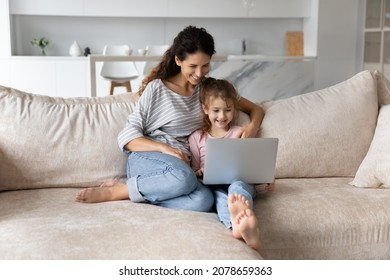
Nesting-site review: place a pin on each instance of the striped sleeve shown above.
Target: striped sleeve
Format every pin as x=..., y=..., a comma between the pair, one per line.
x=163, y=116
x=135, y=123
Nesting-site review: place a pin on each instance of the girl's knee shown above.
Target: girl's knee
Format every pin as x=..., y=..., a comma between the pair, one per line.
x=241, y=187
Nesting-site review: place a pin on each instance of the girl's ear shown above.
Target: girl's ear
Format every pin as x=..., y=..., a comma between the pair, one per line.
x=178, y=61
x=204, y=109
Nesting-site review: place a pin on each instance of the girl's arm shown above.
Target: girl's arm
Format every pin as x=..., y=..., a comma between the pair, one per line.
x=194, y=142
x=256, y=114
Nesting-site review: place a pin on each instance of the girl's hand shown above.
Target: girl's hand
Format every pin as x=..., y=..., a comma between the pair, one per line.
x=199, y=172
x=270, y=187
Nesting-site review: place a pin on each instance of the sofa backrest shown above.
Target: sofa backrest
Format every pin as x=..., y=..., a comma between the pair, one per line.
x=57, y=142
x=325, y=133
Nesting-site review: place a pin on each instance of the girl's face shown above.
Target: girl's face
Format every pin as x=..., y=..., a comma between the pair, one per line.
x=219, y=111
x=194, y=67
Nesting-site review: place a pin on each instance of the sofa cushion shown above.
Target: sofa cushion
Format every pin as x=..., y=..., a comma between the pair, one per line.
x=374, y=171
x=323, y=218
x=46, y=224
x=51, y=142
x=326, y=132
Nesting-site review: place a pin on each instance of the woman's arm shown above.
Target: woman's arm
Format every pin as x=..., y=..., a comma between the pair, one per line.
x=256, y=114
x=143, y=144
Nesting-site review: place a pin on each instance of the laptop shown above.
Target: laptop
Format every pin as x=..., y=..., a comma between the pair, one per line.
x=251, y=160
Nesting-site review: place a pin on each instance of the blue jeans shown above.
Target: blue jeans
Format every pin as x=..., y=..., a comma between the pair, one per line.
x=167, y=181
x=221, y=198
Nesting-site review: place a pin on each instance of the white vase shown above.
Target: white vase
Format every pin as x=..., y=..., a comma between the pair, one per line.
x=75, y=49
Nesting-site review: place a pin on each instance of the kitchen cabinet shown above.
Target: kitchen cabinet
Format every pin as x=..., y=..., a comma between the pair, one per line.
x=206, y=9
x=165, y=8
x=53, y=76
x=47, y=7
x=126, y=8
x=279, y=8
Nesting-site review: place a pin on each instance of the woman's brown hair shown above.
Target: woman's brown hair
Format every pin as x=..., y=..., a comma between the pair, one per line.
x=188, y=41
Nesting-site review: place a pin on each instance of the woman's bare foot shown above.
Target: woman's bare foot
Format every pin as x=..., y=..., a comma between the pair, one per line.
x=249, y=228
x=108, y=191
x=236, y=203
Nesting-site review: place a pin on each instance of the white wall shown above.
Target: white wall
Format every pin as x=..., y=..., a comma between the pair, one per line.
x=5, y=46
x=340, y=40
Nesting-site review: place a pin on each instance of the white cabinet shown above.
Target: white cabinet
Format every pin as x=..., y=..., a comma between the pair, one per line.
x=240, y=8
x=126, y=8
x=165, y=8
x=33, y=76
x=71, y=78
x=279, y=8
x=206, y=8
x=47, y=7
x=51, y=76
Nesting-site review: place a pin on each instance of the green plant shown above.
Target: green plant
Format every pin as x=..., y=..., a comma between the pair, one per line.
x=42, y=43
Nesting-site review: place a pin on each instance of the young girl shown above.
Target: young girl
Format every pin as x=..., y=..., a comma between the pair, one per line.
x=234, y=202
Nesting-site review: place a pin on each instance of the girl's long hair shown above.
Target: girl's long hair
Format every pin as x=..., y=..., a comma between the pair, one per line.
x=189, y=41
x=217, y=88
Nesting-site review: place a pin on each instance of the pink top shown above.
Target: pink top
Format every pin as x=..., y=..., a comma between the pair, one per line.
x=198, y=145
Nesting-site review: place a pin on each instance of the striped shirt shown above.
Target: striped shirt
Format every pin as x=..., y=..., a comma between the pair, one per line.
x=163, y=116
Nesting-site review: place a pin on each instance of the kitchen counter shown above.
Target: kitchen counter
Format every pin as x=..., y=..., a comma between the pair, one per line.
x=256, y=77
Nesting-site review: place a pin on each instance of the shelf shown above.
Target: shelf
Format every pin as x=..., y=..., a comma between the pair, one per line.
x=385, y=29
x=42, y=57
x=267, y=57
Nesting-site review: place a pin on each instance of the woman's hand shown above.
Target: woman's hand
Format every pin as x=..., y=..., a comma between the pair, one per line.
x=176, y=153
x=146, y=145
x=249, y=131
x=256, y=114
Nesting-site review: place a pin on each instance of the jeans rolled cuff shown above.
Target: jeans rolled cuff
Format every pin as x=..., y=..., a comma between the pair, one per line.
x=134, y=194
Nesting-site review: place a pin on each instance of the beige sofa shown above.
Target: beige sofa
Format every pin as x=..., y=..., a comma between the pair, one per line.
x=330, y=199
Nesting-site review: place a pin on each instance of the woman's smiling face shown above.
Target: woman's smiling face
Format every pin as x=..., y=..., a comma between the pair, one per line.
x=194, y=67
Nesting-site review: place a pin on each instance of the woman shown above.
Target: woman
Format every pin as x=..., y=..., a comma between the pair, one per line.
x=156, y=133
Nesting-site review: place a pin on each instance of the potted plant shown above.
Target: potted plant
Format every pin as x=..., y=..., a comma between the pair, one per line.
x=42, y=43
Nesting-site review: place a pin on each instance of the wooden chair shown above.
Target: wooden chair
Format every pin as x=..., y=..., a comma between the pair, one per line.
x=119, y=73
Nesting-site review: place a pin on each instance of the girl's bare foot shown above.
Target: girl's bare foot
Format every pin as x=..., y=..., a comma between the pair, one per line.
x=108, y=191
x=249, y=228
x=236, y=203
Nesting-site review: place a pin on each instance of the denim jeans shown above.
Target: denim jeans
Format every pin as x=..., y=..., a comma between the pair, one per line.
x=167, y=181
x=221, y=198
